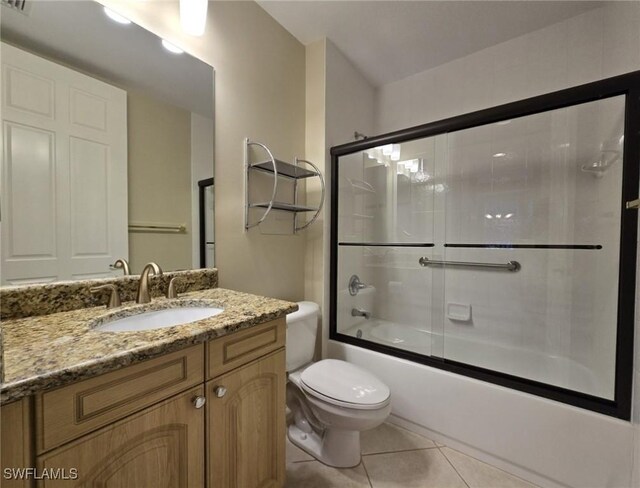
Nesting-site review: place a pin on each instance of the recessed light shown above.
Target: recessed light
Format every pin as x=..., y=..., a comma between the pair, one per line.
x=499, y=155
x=508, y=216
x=120, y=19
x=488, y=216
x=171, y=48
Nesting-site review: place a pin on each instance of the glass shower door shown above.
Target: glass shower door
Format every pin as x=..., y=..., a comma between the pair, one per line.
x=531, y=246
x=385, y=224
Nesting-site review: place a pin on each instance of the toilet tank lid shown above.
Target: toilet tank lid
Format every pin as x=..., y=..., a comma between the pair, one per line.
x=305, y=309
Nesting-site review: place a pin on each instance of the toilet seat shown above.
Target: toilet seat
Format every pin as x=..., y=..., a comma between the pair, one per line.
x=344, y=384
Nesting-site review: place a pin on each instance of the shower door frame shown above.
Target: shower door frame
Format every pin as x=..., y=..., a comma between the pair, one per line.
x=627, y=84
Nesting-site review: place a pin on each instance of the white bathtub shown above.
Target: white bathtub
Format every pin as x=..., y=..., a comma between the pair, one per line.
x=525, y=363
x=549, y=443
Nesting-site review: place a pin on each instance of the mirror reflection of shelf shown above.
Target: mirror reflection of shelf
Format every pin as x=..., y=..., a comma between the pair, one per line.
x=362, y=216
x=360, y=186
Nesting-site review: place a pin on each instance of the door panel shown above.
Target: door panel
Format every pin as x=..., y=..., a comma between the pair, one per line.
x=162, y=447
x=250, y=417
x=64, y=175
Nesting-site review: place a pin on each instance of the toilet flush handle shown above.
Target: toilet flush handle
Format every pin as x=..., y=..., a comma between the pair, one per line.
x=220, y=391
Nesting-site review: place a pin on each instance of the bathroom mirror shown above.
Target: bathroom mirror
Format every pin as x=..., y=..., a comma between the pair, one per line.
x=107, y=131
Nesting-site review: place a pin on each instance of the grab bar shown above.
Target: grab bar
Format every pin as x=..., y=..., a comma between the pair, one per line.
x=510, y=266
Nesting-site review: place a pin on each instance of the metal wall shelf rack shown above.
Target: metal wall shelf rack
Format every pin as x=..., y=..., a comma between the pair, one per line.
x=280, y=169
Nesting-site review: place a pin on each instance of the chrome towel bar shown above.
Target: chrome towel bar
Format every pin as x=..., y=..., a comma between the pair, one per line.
x=510, y=266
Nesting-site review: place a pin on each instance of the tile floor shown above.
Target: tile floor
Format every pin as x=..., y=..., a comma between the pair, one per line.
x=393, y=457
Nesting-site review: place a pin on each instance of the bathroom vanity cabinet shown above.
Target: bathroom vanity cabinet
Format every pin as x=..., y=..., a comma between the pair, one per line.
x=147, y=424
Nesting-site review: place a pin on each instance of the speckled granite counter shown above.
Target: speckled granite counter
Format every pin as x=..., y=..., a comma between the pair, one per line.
x=61, y=296
x=53, y=350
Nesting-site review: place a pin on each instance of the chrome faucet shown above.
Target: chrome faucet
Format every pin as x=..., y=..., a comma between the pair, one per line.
x=121, y=263
x=143, y=286
x=358, y=312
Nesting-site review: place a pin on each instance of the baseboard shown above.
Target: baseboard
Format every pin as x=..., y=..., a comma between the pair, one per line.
x=440, y=438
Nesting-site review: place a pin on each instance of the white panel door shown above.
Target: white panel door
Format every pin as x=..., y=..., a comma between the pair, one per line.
x=64, y=172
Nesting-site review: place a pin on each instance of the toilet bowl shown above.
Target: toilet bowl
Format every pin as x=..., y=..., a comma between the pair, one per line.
x=331, y=401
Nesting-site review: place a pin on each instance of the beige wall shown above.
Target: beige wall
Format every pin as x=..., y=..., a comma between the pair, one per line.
x=316, y=151
x=159, y=181
x=349, y=107
x=260, y=93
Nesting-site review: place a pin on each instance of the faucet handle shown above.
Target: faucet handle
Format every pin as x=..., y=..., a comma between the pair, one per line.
x=114, y=296
x=172, y=292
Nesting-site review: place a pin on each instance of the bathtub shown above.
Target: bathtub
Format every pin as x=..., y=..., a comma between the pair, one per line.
x=549, y=443
x=525, y=363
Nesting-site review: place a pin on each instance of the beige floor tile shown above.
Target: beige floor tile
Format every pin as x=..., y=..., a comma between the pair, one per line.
x=481, y=475
x=390, y=438
x=426, y=468
x=295, y=454
x=316, y=475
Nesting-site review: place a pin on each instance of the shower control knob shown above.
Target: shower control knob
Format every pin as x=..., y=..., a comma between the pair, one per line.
x=220, y=391
x=199, y=401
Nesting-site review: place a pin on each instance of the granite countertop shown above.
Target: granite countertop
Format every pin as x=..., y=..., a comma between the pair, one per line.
x=48, y=351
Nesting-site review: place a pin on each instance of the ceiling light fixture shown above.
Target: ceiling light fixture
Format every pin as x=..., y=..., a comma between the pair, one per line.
x=193, y=16
x=395, y=153
x=171, y=48
x=120, y=19
x=499, y=155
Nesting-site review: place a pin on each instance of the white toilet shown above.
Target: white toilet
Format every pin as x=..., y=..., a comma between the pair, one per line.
x=331, y=401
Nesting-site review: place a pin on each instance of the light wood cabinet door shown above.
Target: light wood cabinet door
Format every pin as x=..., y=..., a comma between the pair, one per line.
x=246, y=425
x=16, y=447
x=162, y=446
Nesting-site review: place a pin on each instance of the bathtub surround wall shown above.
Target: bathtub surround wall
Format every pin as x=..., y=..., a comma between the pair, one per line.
x=260, y=93
x=35, y=300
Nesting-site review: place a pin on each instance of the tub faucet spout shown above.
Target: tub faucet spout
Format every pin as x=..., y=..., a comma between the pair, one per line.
x=358, y=312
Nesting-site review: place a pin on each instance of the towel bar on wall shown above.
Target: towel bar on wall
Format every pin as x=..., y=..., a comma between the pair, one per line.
x=510, y=266
x=148, y=227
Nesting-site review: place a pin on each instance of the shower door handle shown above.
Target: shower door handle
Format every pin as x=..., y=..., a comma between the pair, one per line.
x=633, y=204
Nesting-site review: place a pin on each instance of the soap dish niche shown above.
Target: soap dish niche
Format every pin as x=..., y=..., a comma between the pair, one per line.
x=459, y=312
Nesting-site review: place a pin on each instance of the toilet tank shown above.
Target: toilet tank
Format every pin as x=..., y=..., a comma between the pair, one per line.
x=302, y=329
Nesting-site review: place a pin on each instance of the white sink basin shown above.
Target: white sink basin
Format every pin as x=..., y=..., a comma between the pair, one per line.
x=159, y=319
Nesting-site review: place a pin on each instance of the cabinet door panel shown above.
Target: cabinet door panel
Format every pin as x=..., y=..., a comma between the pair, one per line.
x=246, y=426
x=162, y=446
